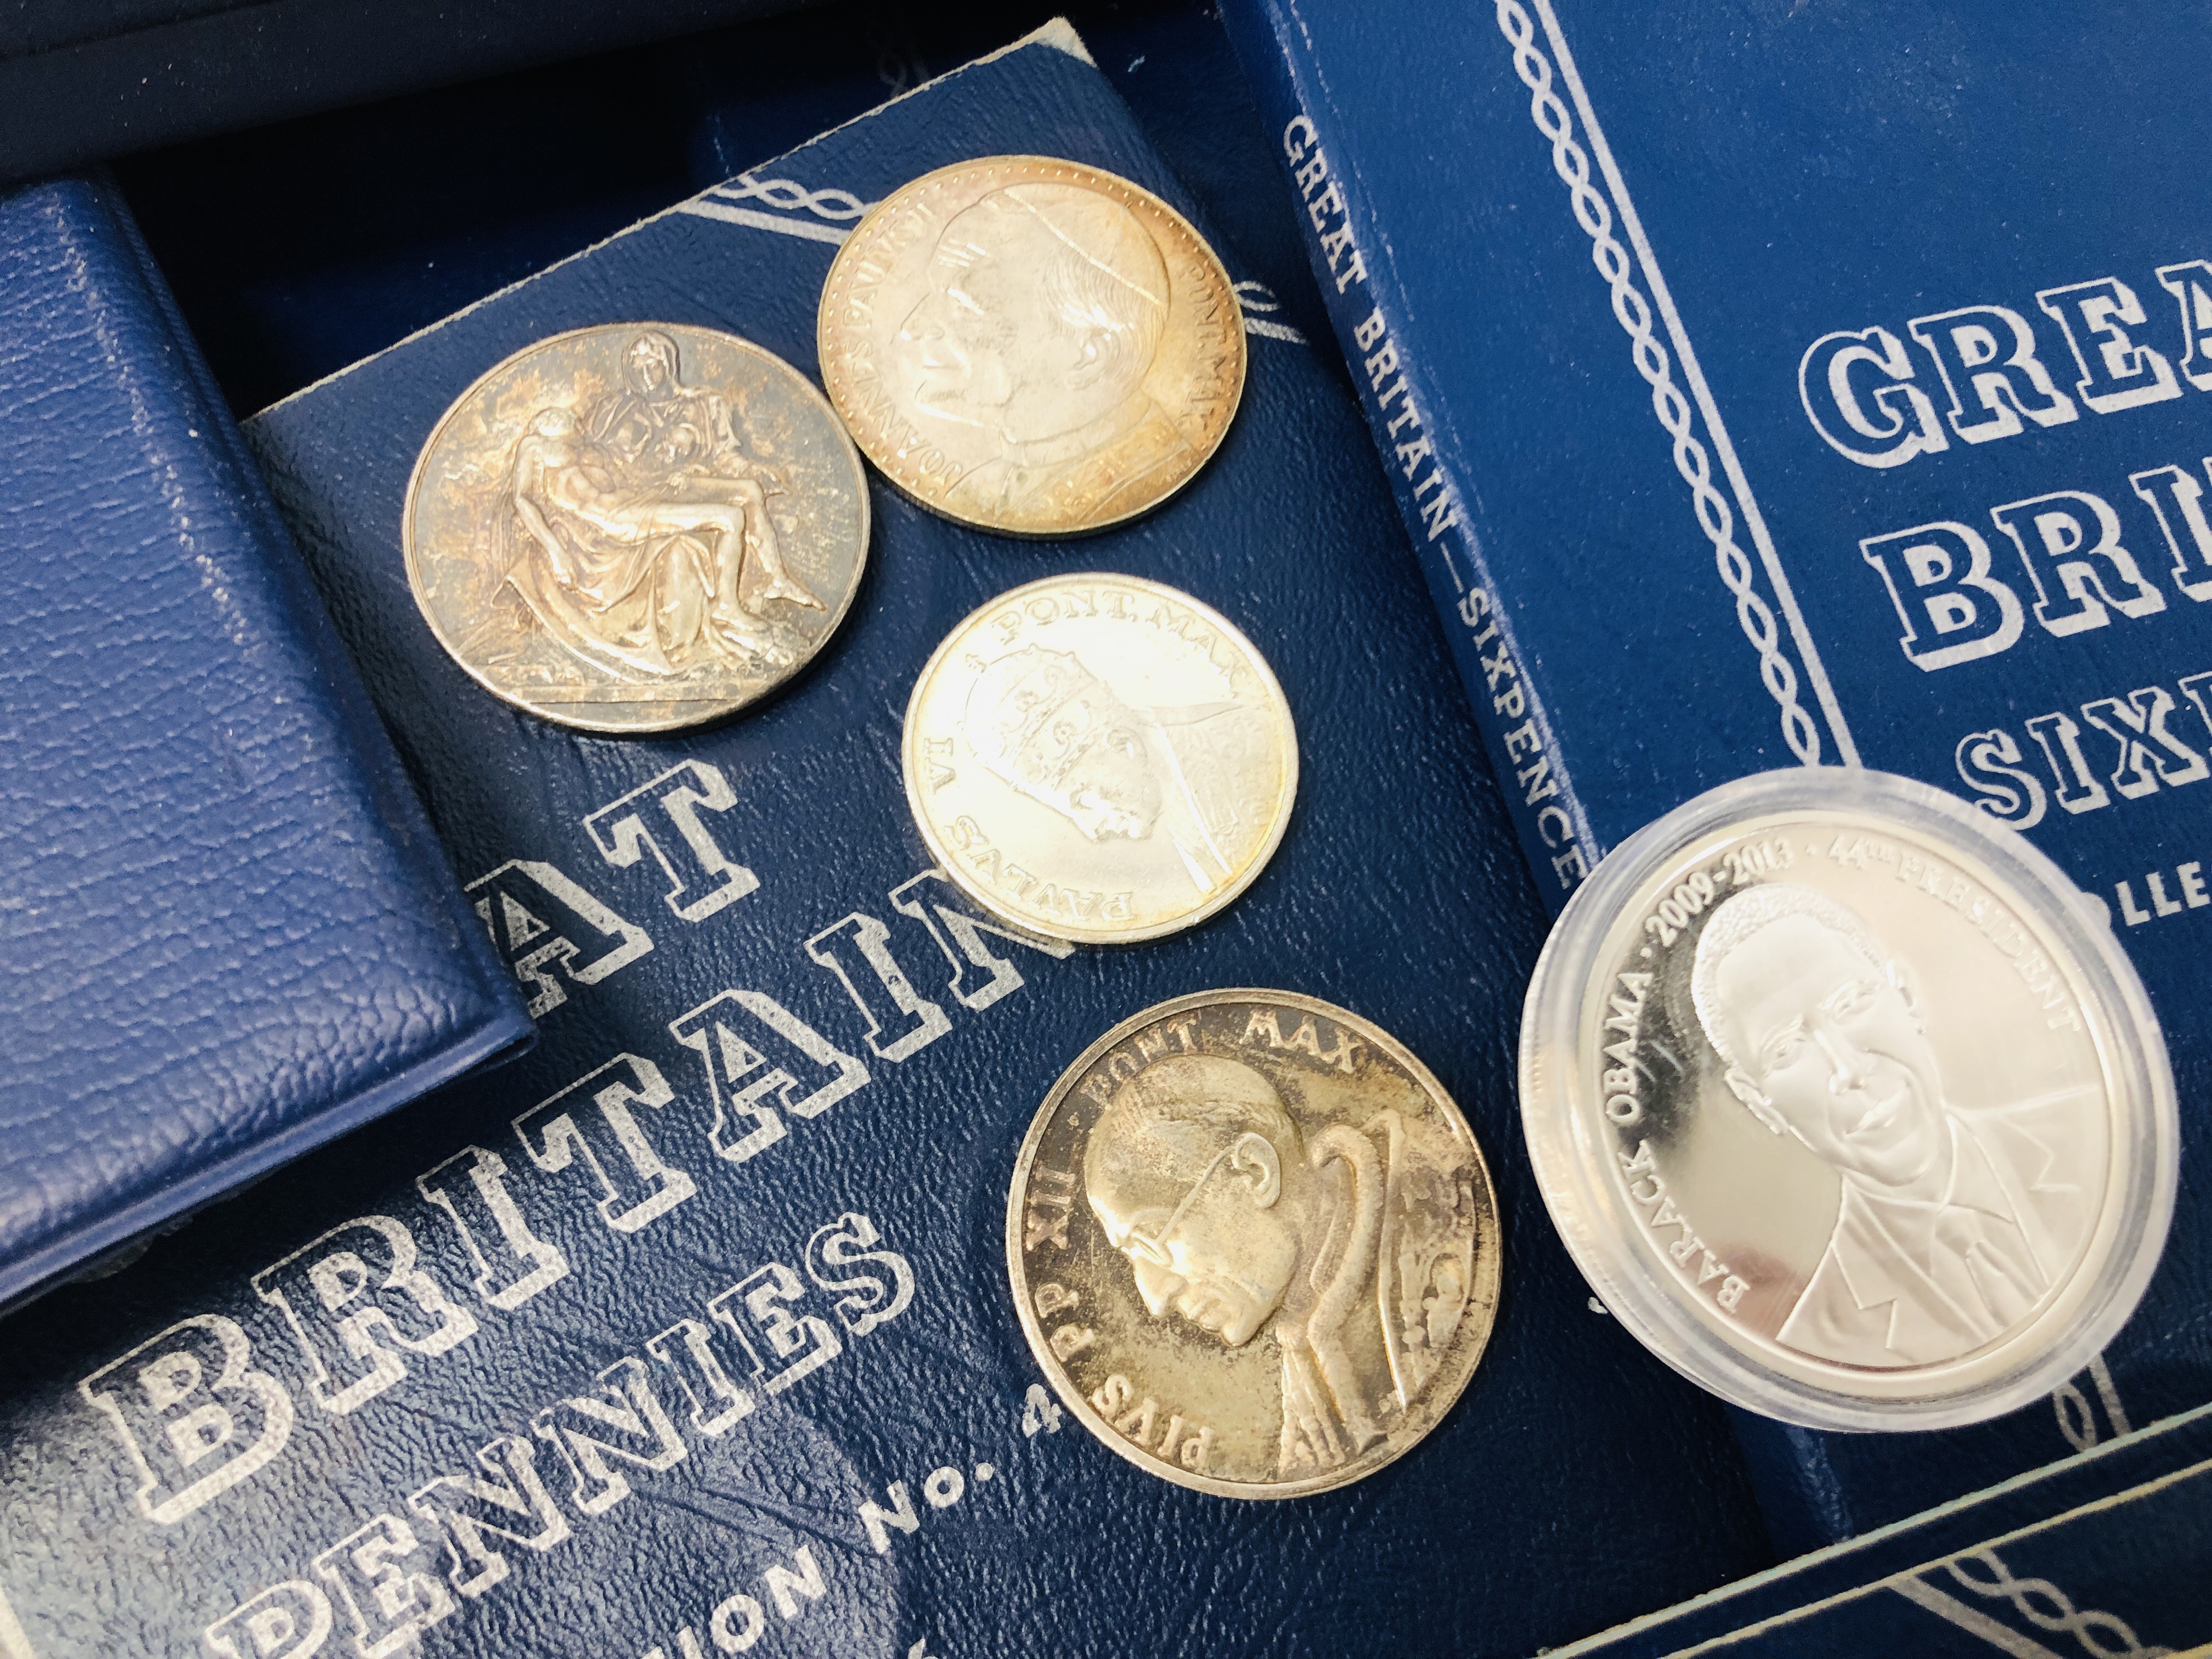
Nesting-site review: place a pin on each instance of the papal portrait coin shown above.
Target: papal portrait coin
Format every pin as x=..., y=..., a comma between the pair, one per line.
x=1099, y=758
x=1253, y=1244
x=1031, y=347
x=636, y=527
x=1848, y=1103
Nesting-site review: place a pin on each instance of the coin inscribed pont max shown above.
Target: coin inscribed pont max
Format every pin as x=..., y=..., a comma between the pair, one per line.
x=1099, y=758
x=636, y=527
x=1031, y=347
x=1848, y=1105
x=1253, y=1244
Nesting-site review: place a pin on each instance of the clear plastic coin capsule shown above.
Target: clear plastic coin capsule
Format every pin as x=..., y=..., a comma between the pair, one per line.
x=1847, y=1104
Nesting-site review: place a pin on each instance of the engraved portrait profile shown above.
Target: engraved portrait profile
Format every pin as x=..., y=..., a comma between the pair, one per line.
x=1352, y=1248
x=638, y=531
x=1954, y=1222
x=1042, y=722
x=1028, y=350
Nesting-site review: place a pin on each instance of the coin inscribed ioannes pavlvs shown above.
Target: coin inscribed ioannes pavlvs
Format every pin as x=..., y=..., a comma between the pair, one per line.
x=636, y=527
x=1849, y=1104
x=1253, y=1244
x=1031, y=347
x=1099, y=758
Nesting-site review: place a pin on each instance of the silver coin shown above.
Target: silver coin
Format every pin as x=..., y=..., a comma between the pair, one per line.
x=1030, y=346
x=1100, y=758
x=1847, y=1105
x=1253, y=1244
x=636, y=527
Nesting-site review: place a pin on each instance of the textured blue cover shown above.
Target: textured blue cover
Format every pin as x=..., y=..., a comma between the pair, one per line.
x=230, y=934
x=1579, y=255
x=1397, y=891
x=2102, y=1554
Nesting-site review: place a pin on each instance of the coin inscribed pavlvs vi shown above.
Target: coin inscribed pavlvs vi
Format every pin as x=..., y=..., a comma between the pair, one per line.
x=1253, y=1244
x=1031, y=347
x=1847, y=1104
x=1099, y=758
x=636, y=527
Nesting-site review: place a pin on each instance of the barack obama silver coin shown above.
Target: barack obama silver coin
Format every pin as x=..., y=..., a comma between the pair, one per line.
x=1848, y=1103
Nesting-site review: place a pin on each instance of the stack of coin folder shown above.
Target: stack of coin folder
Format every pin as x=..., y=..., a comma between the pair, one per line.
x=1197, y=831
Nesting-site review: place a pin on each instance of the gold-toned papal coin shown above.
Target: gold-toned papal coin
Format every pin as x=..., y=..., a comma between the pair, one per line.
x=1253, y=1244
x=1100, y=758
x=636, y=527
x=1032, y=347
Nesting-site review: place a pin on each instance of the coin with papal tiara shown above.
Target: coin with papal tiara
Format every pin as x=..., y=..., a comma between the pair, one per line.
x=1030, y=346
x=1253, y=1244
x=1099, y=758
x=1849, y=1104
x=636, y=527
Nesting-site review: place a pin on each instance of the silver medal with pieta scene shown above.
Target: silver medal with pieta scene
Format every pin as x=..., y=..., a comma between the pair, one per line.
x=1253, y=1244
x=1849, y=1104
x=636, y=527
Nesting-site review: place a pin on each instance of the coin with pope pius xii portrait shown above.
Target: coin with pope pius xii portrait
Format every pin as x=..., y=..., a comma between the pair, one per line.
x=1031, y=347
x=1253, y=1244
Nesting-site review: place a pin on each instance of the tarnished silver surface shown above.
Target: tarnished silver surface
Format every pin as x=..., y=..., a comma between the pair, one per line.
x=1846, y=1092
x=1030, y=346
x=636, y=527
x=1100, y=758
x=1253, y=1244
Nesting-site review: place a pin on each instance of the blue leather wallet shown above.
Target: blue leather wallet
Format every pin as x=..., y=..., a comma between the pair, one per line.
x=230, y=933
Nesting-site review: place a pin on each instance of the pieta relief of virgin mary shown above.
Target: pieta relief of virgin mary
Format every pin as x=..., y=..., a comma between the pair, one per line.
x=640, y=537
